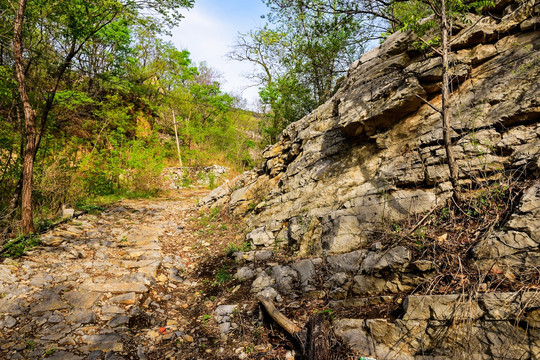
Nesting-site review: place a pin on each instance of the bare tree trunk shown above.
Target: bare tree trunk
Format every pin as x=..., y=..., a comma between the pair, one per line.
x=176, y=136
x=189, y=137
x=15, y=199
x=30, y=123
x=445, y=31
x=318, y=337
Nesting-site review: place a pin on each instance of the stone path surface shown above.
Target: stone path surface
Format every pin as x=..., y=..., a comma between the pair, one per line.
x=97, y=286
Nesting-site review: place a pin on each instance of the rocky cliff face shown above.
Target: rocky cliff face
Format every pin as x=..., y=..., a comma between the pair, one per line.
x=372, y=156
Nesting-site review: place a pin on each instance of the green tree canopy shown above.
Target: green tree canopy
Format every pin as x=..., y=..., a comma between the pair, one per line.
x=301, y=53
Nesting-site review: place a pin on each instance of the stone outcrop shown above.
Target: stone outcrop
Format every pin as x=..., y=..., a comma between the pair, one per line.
x=516, y=247
x=373, y=155
x=178, y=177
x=452, y=327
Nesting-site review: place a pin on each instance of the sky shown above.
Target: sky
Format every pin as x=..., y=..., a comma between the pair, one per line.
x=208, y=32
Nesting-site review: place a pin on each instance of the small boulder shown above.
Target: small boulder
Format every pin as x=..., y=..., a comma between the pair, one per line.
x=393, y=259
x=285, y=278
x=349, y=262
x=306, y=273
x=244, y=273
x=260, y=237
x=262, y=281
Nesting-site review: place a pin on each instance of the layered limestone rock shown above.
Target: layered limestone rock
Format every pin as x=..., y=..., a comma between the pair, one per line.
x=452, y=327
x=373, y=154
x=515, y=248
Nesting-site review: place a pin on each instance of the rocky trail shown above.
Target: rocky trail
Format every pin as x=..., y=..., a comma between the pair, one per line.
x=350, y=215
x=145, y=279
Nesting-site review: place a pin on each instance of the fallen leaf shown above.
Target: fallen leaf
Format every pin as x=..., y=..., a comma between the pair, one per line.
x=442, y=238
x=510, y=276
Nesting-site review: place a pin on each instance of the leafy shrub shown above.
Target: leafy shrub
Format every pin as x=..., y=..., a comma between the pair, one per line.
x=232, y=248
x=17, y=247
x=223, y=276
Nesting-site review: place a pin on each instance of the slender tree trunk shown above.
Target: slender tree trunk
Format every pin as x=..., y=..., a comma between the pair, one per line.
x=452, y=166
x=30, y=123
x=14, y=203
x=176, y=137
x=189, y=137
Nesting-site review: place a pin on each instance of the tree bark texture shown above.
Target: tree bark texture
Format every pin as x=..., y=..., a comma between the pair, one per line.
x=318, y=345
x=30, y=123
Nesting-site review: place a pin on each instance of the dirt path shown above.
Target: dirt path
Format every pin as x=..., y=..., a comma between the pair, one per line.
x=145, y=279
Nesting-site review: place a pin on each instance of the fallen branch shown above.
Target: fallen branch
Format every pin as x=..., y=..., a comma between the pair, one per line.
x=278, y=317
x=316, y=341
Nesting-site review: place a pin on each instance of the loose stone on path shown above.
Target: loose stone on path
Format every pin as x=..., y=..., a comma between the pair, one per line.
x=77, y=296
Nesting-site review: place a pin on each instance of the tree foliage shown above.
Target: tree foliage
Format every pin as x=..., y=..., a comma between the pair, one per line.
x=301, y=53
x=101, y=84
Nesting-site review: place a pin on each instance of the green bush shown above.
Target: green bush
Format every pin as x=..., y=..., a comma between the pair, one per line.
x=133, y=166
x=17, y=247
